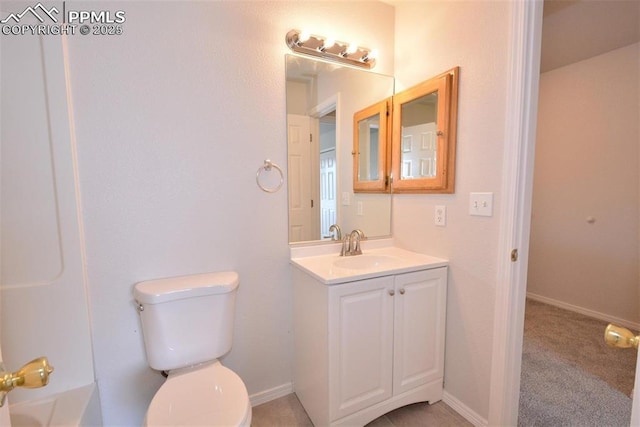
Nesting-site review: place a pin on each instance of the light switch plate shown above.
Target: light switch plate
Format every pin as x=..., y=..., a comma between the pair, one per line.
x=481, y=204
x=346, y=200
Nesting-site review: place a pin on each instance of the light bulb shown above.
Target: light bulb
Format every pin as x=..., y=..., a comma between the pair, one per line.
x=303, y=36
x=328, y=43
x=352, y=48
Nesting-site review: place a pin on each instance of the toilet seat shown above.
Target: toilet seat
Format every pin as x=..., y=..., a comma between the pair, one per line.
x=210, y=395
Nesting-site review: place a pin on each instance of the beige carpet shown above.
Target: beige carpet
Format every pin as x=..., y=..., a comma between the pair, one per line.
x=579, y=340
x=570, y=377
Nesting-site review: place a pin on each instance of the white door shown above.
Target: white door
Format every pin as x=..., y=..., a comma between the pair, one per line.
x=419, y=151
x=327, y=192
x=301, y=225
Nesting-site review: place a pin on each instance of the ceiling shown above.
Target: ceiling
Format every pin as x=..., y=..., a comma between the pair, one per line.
x=574, y=30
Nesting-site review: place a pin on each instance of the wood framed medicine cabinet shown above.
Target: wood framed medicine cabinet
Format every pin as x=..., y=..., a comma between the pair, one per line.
x=371, y=148
x=410, y=137
x=424, y=136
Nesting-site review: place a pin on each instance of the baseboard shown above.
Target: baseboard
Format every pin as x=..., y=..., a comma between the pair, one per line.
x=585, y=311
x=464, y=410
x=270, y=394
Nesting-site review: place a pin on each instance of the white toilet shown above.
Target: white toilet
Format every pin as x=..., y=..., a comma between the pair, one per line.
x=187, y=323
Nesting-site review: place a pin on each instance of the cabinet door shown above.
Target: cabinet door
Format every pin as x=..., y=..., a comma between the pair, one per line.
x=420, y=302
x=361, y=343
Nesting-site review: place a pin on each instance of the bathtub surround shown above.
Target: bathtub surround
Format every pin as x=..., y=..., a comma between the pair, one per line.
x=74, y=408
x=44, y=288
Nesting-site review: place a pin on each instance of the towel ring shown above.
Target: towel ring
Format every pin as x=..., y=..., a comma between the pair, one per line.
x=268, y=164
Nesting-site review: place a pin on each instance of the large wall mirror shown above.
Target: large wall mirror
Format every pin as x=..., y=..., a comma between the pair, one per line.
x=322, y=99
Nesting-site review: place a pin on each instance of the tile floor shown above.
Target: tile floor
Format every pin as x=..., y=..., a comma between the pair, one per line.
x=288, y=412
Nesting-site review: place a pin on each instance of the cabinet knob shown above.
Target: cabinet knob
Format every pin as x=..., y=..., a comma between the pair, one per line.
x=401, y=291
x=392, y=292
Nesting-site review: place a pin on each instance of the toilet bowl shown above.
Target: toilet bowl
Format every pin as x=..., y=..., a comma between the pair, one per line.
x=187, y=324
x=201, y=396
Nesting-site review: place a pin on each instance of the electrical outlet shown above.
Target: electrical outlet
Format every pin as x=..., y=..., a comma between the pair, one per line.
x=481, y=204
x=441, y=216
x=360, y=209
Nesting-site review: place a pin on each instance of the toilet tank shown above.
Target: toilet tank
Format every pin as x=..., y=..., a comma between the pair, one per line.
x=187, y=320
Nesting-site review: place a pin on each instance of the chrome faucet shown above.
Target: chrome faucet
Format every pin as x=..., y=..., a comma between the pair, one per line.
x=348, y=247
x=336, y=228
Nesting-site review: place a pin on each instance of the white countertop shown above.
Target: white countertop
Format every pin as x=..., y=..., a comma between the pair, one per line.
x=375, y=261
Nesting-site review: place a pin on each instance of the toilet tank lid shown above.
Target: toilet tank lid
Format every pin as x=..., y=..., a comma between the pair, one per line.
x=174, y=288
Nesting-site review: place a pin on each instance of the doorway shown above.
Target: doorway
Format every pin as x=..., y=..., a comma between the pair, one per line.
x=585, y=214
x=325, y=130
x=328, y=173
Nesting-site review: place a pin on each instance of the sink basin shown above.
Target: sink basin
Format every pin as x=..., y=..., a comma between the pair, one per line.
x=379, y=259
x=365, y=262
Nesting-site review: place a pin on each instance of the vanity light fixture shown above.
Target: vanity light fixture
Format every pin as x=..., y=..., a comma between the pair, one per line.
x=328, y=48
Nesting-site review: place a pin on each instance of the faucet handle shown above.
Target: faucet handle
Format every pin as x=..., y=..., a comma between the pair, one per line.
x=357, y=250
x=357, y=236
x=346, y=246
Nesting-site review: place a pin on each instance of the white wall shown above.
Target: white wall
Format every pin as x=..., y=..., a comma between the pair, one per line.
x=173, y=119
x=297, y=93
x=473, y=35
x=587, y=166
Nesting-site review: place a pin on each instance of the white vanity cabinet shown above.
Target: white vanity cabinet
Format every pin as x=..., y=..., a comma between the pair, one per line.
x=366, y=347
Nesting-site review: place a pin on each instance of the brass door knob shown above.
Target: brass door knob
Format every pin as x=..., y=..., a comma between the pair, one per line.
x=34, y=374
x=619, y=337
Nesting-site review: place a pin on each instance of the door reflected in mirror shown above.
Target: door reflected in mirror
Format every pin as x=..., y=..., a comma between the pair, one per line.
x=328, y=173
x=419, y=141
x=322, y=99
